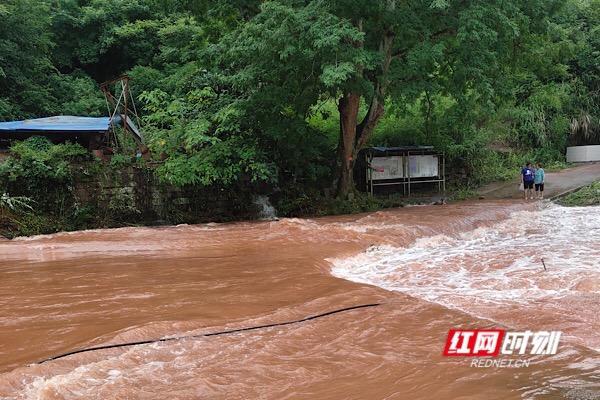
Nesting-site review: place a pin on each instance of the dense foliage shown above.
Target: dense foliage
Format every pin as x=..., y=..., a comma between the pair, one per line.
x=39, y=178
x=280, y=95
x=587, y=196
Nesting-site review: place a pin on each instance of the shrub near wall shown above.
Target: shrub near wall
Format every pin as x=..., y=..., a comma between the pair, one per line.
x=43, y=173
x=67, y=190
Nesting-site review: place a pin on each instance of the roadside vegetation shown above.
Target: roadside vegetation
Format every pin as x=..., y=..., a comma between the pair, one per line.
x=38, y=181
x=277, y=97
x=587, y=196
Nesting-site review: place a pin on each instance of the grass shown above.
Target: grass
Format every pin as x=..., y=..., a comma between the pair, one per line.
x=587, y=196
x=557, y=166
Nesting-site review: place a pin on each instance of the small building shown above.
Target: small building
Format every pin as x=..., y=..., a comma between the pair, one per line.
x=89, y=132
x=407, y=166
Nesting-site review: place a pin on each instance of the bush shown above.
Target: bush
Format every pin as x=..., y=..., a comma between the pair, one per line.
x=312, y=203
x=42, y=171
x=14, y=203
x=119, y=161
x=587, y=196
x=122, y=205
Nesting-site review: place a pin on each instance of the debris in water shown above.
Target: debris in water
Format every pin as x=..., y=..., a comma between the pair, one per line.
x=544, y=264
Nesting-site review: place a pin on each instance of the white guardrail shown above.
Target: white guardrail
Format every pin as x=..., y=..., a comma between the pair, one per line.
x=583, y=153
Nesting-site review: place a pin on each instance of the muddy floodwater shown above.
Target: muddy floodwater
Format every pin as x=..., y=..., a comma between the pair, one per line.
x=469, y=265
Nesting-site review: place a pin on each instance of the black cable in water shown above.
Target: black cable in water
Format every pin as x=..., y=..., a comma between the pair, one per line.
x=168, y=339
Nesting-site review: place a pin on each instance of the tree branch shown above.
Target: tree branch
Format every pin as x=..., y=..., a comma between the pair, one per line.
x=437, y=35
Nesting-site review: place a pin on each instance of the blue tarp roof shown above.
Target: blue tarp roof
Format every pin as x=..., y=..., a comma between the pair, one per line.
x=62, y=123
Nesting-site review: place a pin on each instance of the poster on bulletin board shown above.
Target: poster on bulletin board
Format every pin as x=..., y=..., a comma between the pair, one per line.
x=387, y=167
x=423, y=166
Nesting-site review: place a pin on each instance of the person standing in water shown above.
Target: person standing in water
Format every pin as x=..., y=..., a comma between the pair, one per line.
x=538, y=181
x=527, y=176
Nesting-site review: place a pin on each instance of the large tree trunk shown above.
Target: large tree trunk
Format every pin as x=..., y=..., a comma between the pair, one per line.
x=353, y=135
x=348, y=107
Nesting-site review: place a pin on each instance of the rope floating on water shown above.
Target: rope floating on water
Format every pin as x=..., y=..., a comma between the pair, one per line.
x=228, y=332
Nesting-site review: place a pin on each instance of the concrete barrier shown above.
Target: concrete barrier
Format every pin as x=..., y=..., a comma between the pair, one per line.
x=583, y=153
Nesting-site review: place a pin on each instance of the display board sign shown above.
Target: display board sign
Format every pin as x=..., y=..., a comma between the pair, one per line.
x=387, y=167
x=423, y=166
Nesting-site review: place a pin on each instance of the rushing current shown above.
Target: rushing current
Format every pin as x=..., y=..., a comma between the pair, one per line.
x=482, y=265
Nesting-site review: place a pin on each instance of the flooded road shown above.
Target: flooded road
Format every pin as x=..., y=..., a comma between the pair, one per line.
x=471, y=265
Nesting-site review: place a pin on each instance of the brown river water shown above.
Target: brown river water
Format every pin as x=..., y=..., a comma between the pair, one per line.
x=432, y=268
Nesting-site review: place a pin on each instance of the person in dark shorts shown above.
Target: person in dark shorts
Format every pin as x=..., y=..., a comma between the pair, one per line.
x=528, y=176
x=538, y=181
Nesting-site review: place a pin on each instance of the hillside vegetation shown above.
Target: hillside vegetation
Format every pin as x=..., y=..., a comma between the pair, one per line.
x=279, y=96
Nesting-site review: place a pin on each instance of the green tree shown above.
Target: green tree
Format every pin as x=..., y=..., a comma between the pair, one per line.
x=236, y=93
x=293, y=54
x=25, y=42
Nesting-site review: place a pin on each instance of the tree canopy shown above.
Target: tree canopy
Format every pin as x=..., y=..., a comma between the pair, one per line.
x=285, y=93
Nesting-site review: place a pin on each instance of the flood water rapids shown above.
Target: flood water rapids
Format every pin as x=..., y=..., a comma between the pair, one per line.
x=432, y=268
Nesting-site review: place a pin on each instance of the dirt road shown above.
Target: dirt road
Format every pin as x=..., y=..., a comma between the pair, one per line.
x=556, y=182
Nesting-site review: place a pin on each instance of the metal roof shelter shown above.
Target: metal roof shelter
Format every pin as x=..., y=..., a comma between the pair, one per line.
x=89, y=131
x=62, y=123
x=396, y=150
x=400, y=166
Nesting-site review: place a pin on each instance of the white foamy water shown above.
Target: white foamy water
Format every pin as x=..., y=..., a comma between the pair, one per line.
x=484, y=269
x=266, y=210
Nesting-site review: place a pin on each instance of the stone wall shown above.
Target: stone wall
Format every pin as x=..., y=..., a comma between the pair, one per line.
x=134, y=194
